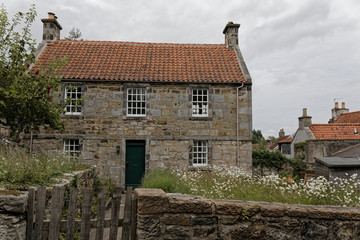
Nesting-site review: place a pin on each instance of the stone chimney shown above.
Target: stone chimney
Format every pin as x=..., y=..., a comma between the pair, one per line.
x=51, y=28
x=336, y=111
x=304, y=120
x=231, y=34
x=281, y=133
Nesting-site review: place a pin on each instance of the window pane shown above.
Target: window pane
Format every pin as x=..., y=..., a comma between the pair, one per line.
x=136, y=102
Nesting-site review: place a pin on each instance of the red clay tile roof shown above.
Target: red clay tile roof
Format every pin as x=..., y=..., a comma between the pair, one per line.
x=145, y=62
x=289, y=139
x=351, y=117
x=336, y=131
x=283, y=139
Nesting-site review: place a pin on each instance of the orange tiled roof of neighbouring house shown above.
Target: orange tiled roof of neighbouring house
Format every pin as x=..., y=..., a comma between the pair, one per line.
x=351, y=117
x=145, y=62
x=336, y=131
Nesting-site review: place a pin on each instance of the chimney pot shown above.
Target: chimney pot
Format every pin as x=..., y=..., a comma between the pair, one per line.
x=304, y=112
x=51, y=15
x=343, y=105
x=336, y=105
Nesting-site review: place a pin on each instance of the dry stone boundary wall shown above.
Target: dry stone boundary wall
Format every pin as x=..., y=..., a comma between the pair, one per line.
x=179, y=216
x=13, y=205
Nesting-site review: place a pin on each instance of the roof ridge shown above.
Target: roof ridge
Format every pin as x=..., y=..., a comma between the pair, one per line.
x=143, y=43
x=350, y=113
x=334, y=124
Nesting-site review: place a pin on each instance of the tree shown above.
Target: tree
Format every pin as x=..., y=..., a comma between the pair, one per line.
x=74, y=34
x=26, y=88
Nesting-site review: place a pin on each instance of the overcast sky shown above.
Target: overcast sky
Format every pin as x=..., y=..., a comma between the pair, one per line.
x=300, y=54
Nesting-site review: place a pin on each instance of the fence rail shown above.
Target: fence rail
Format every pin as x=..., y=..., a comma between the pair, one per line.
x=37, y=226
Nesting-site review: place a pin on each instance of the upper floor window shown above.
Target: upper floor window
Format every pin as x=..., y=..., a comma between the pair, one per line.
x=136, y=102
x=200, y=153
x=72, y=147
x=73, y=96
x=200, y=104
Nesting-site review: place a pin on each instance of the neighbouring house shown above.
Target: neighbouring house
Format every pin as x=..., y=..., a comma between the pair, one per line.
x=325, y=140
x=282, y=143
x=151, y=105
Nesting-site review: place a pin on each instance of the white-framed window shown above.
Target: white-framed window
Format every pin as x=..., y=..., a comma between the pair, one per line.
x=73, y=95
x=200, y=153
x=72, y=147
x=200, y=104
x=136, y=102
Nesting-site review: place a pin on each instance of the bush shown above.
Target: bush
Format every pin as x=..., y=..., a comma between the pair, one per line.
x=265, y=158
x=165, y=180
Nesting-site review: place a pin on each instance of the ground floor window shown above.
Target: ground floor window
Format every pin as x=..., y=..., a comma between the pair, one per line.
x=200, y=153
x=72, y=147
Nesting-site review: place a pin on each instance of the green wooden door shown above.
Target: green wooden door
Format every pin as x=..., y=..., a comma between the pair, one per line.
x=135, y=162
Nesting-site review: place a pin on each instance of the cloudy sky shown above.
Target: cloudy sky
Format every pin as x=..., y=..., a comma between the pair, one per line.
x=301, y=54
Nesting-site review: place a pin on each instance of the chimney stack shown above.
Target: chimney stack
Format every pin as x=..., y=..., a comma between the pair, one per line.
x=336, y=111
x=305, y=120
x=51, y=28
x=231, y=34
x=281, y=133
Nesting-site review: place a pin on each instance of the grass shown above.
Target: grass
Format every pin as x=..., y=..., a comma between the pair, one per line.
x=232, y=183
x=17, y=167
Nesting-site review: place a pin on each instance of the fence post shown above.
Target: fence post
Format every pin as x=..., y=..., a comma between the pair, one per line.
x=30, y=214
x=101, y=214
x=70, y=225
x=57, y=203
x=127, y=215
x=133, y=217
x=86, y=215
x=115, y=208
x=40, y=211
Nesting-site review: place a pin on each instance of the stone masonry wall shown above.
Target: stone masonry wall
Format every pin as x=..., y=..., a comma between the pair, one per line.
x=178, y=216
x=167, y=129
x=14, y=204
x=324, y=149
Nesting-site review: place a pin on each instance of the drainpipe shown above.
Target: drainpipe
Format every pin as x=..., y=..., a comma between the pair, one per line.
x=237, y=125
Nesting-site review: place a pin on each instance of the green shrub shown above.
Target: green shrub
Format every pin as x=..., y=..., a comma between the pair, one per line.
x=164, y=179
x=266, y=158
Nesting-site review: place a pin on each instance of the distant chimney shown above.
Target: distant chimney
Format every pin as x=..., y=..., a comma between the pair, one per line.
x=336, y=111
x=281, y=133
x=231, y=34
x=51, y=28
x=305, y=120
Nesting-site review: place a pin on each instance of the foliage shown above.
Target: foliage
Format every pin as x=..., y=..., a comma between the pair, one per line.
x=266, y=158
x=74, y=34
x=257, y=136
x=163, y=179
x=26, y=92
x=301, y=146
x=233, y=183
x=272, y=139
x=17, y=167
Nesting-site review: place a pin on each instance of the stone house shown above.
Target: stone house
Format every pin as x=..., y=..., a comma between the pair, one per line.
x=325, y=140
x=151, y=105
x=282, y=143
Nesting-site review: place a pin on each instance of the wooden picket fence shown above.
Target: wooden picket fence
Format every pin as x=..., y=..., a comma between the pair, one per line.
x=50, y=229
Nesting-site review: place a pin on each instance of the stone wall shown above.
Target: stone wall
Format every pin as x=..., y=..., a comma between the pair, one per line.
x=13, y=207
x=324, y=149
x=177, y=216
x=168, y=127
x=13, y=204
